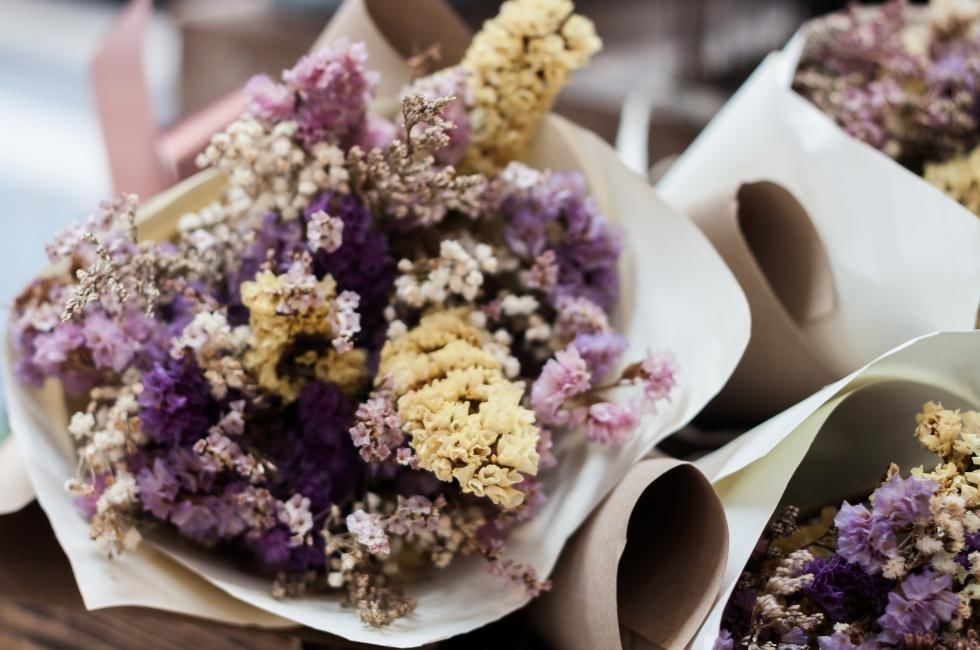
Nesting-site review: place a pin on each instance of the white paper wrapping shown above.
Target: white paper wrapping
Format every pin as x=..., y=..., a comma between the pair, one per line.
x=905, y=258
x=856, y=443
x=677, y=295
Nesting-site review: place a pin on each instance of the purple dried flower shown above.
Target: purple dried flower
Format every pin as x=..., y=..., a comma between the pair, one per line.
x=904, y=500
x=922, y=602
x=196, y=521
x=553, y=211
x=319, y=462
x=53, y=348
x=864, y=539
x=268, y=99
x=110, y=347
x=271, y=549
x=326, y=92
x=414, y=514
x=971, y=544
x=609, y=423
x=601, y=350
x=562, y=378
x=844, y=591
x=367, y=530
x=176, y=405
x=658, y=372
x=158, y=488
x=377, y=429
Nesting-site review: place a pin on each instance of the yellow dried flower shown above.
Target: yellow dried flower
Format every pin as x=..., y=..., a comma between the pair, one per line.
x=464, y=417
x=276, y=323
x=959, y=177
x=938, y=430
x=517, y=63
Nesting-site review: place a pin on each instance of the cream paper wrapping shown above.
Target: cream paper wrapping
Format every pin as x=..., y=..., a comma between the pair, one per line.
x=860, y=424
x=677, y=294
x=903, y=257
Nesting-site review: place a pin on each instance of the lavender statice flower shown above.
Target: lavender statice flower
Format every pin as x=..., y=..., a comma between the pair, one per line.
x=176, y=405
x=562, y=378
x=553, y=211
x=844, y=591
x=368, y=531
x=864, y=539
x=377, y=429
x=904, y=500
x=158, y=487
x=922, y=602
x=414, y=514
x=326, y=92
x=600, y=350
x=276, y=240
x=110, y=346
x=609, y=423
x=658, y=374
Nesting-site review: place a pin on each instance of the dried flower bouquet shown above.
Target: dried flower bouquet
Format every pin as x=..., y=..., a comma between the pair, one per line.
x=350, y=369
x=905, y=81
x=901, y=569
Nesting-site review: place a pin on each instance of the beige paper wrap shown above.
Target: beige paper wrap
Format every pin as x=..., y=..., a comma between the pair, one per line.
x=903, y=258
x=837, y=443
x=768, y=241
x=674, y=286
x=645, y=568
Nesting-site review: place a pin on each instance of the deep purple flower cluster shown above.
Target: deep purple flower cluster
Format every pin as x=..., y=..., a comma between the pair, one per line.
x=556, y=213
x=362, y=264
x=176, y=405
x=845, y=591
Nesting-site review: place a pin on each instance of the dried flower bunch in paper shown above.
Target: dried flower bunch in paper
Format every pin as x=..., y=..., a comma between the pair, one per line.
x=905, y=80
x=348, y=370
x=901, y=569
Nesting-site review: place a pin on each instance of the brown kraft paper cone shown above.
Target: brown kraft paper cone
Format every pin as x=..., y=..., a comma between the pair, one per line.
x=644, y=569
x=769, y=243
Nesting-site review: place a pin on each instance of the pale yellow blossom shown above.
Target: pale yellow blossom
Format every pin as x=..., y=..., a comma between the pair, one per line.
x=463, y=416
x=274, y=330
x=517, y=63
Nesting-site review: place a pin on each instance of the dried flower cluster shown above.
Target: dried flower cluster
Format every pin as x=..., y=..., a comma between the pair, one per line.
x=516, y=65
x=348, y=370
x=906, y=82
x=901, y=570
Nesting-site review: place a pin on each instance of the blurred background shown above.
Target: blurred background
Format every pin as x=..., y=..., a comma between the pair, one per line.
x=681, y=57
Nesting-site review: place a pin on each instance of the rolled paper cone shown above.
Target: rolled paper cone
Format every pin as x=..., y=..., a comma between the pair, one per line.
x=644, y=569
x=768, y=241
x=870, y=429
x=146, y=159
